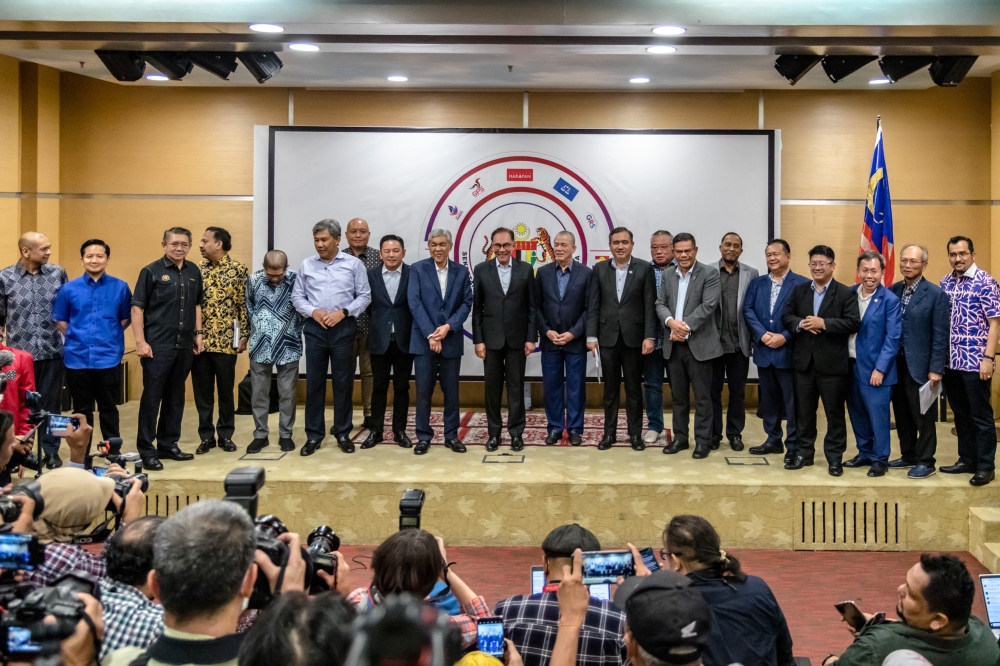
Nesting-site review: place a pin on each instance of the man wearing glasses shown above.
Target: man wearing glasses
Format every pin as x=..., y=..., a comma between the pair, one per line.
x=821, y=315
x=504, y=332
x=975, y=324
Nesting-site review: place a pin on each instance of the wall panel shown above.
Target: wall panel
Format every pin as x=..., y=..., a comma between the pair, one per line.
x=10, y=166
x=409, y=109
x=644, y=110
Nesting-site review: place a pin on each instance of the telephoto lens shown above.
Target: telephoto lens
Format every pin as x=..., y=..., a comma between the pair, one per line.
x=323, y=546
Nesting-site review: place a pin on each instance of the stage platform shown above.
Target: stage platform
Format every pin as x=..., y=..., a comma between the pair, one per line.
x=508, y=499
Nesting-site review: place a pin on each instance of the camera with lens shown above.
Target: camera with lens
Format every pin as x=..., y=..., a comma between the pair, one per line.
x=24, y=634
x=10, y=510
x=123, y=483
x=33, y=401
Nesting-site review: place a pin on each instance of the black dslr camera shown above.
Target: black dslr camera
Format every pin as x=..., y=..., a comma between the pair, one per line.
x=11, y=510
x=410, y=507
x=123, y=483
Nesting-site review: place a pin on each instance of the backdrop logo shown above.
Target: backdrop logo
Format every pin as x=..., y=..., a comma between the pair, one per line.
x=520, y=175
x=476, y=188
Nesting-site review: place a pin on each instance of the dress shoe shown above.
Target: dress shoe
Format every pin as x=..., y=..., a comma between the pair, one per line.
x=286, y=444
x=152, y=465
x=205, y=446
x=492, y=444
x=835, y=469
x=958, y=468
x=173, y=454
x=651, y=436
x=982, y=477
x=798, y=462
x=637, y=443
x=901, y=463
x=403, y=440
x=517, y=443
x=421, y=448
x=310, y=447
x=767, y=449
x=920, y=472
x=257, y=444
x=701, y=450
x=553, y=438
x=878, y=468
x=227, y=445
x=371, y=440
x=716, y=442
x=857, y=461
x=736, y=442
x=676, y=446
x=789, y=457
x=345, y=444
x=53, y=461
x=606, y=442
x=575, y=439
x=455, y=445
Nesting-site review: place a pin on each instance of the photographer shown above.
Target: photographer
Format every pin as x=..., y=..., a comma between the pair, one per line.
x=20, y=376
x=296, y=630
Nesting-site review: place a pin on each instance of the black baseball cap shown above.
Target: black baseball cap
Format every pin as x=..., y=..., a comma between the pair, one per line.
x=563, y=540
x=668, y=617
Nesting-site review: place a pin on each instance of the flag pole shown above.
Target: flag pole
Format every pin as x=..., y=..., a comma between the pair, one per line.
x=878, y=122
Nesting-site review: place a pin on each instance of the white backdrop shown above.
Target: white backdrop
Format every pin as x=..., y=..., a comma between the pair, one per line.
x=537, y=182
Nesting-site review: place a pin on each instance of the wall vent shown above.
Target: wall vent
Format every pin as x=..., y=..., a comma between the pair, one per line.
x=850, y=525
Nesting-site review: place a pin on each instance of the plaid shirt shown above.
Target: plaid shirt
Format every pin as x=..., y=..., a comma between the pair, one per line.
x=62, y=558
x=532, y=622
x=908, y=294
x=130, y=619
x=466, y=622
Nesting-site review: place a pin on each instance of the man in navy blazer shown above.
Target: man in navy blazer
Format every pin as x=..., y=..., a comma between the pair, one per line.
x=873, y=352
x=763, y=305
x=926, y=314
x=389, y=341
x=563, y=288
x=440, y=299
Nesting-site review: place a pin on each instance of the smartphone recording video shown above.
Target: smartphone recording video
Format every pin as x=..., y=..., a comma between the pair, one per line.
x=490, y=631
x=60, y=426
x=605, y=566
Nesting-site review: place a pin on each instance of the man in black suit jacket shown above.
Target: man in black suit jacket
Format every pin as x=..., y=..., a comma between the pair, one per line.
x=926, y=313
x=504, y=333
x=389, y=341
x=621, y=319
x=821, y=314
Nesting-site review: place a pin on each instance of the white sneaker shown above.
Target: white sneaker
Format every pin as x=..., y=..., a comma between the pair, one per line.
x=651, y=436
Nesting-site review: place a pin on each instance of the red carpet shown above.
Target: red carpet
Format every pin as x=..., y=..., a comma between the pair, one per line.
x=806, y=584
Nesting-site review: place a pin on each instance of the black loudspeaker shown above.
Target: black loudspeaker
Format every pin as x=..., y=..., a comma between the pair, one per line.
x=840, y=67
x=794, y=67
x=123, y=65
x=174, y=64
x=948, y=71
x=263, y=65
x=896, y=67
x=220, y=63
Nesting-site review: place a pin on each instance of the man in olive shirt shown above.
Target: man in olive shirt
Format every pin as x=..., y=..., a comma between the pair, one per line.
x=166, y=320
x=935, y=606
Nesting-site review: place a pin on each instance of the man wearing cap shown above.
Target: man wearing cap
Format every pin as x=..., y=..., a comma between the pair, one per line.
x=532, y=621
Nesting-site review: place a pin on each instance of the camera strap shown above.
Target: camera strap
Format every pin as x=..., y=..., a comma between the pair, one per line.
x=89, y=621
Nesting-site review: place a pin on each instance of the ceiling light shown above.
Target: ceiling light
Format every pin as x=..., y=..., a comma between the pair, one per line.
x=669, y=30
x=263, y=65
x=878, y=82
x=399, y=78
x=123, y=65
x=175, y=64
x=639, y=79
x=303, y=47
x=266, y=27
x=220, y=63
x=156, y=77
x=949, y=71
x=794, y=67
x=896, y=67
x=838, y=68
x=660, y=48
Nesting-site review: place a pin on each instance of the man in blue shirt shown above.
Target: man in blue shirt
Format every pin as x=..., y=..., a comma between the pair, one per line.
x=92, y=312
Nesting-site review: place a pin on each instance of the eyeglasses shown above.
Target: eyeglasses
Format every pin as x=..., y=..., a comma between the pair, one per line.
x=505, y=246
x=820, y=264
x=959, y=255
x=178, y=245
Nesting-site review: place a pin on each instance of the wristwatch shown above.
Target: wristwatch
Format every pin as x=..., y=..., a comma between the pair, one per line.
x=346, y=313
x=199, y=332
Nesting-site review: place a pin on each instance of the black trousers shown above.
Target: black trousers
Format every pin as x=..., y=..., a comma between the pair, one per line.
x=731, y=369
x=504, y=366
x=208, y=371
x=622, y=362
x=49, y=383
x=163, y=378
x=400, y=364
x=100, y=386
x=329, y=350
x=686, y=373
x=916, y=431
x=969, y=397
x=810, y=386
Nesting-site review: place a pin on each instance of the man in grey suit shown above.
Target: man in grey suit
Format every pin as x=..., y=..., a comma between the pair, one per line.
x=734, y=364
x=687, y=304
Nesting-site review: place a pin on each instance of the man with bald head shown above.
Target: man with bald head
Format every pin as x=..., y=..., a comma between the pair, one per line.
x=275, y=341
x=358, y=234
x=27, y=294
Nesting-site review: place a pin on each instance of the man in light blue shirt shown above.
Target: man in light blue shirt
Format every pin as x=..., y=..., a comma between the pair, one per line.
x=331, y=290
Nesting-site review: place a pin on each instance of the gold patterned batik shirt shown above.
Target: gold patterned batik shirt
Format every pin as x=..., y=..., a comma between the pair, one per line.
x=225, y=295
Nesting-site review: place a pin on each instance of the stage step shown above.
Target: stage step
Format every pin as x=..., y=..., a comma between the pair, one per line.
x=984, y=536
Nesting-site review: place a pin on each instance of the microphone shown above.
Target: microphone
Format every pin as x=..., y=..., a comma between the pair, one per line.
x=6, y=358
x=110, y=448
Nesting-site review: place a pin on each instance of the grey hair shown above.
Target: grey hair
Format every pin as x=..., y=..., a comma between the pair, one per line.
x=572, y=237
x=923, y=251
x=329, y=225
x=439, y=232
x=868, y=255
x=201, y=556
x=660, y=232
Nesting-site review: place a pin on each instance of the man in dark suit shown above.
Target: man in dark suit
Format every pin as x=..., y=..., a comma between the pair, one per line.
x=821, y=315
x=389, y=341
x=440, y=298
x=763, y=306
x=621, y=320
x=687, y=304
x=926, y=313
x=563, y=287
x=504, y=332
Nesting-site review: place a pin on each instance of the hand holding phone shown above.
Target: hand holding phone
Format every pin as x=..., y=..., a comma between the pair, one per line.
x=60, y=426
x=606, y=566
x=490, y=635
x=852, y=615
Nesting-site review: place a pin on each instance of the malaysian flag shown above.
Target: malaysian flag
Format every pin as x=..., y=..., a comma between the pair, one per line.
x=876, y=233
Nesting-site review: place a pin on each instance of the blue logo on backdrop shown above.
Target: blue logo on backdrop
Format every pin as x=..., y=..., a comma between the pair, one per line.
x=565, y=189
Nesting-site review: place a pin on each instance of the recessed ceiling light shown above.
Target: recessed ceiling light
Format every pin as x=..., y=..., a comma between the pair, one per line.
x=266, y=27
x=156, y=77
x=669, y=30
x=639, y=79
x=660, y=48
x=878, y=82
x=398, y=78
x=303, y=47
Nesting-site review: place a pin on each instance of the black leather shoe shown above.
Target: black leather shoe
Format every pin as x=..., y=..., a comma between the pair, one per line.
x=958, y=468
x=857, y=461
x=982, y=477
x=766, y=449
x=835, y=469
x=173, y=454
x=53, y=461
x=901, y=463
x=517, y=443
x=716, y=443
x=257, y=444
x=575, y=439
x=286, y=444
x=606, y=442
x=421, y=448
x=701, y=450
x=227, y=445
x=637, y=443
x=676, y=446
x=553, y=438
x=736, y=442
x=151, y=465
x=205, y=446
x=371, y=440
x=333, y=430
x=455, y=445
x=310, y=447
x=492, y=444
x=798, y=462
x=789, y=457
x=403, y=440
x=345, y=444
x=878, y=468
